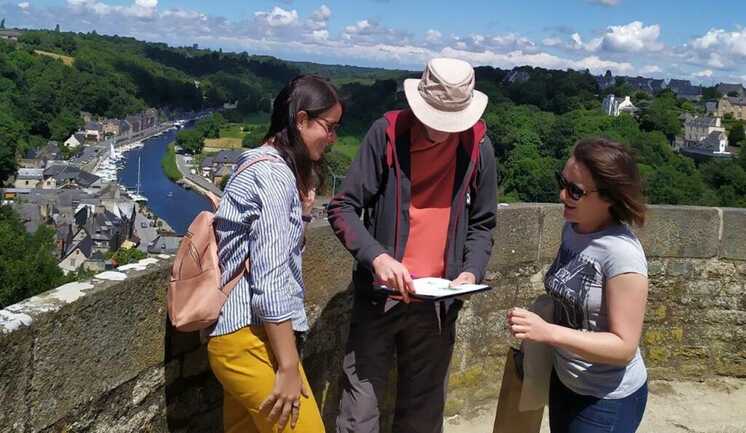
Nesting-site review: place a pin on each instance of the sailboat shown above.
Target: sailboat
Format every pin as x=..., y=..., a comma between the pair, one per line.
x=136, y=196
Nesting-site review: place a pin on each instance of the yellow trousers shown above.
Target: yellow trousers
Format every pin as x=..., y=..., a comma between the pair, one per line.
x=243, y=362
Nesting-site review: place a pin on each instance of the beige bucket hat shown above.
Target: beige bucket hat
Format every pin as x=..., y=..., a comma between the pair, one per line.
x=444, y=98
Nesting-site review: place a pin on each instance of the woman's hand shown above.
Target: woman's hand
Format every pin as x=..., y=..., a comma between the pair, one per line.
x=525, y=325
x=283, y=404
x=394, y=275
x=308, y=202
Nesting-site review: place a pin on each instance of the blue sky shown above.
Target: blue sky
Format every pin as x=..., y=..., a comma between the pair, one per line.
x=696, y=40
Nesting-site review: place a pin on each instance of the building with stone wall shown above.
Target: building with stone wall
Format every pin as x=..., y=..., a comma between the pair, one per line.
x=728, y=106
x=99, y=356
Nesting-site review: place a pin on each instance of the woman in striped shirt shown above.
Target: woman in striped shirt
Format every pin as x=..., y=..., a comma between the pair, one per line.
x=252, y=348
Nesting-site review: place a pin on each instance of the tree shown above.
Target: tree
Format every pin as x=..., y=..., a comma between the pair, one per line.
x=33, y=272
x=737, y=135
x=191, y=141
x=10, y=136
x=127, y=256
x=662, y=115
x=530, y=176
x=711, y=93
x=57, y=28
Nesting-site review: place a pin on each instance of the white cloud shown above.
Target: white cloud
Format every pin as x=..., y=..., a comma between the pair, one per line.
x=320, y=18
x=707, y=73
x=24, y=5
x=651, y=69
x=278, y=17
x=139, y=8
x=323, y=13
x=184, y=14
x=633, y=37
x=359, y=27
x=320, y=35
x=592, y=46
x=732, y=43
x=433, y=36
x=371, y=32
x=552, y=42
x=606, y=2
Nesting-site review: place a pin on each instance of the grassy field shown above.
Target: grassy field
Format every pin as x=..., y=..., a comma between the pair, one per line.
x=232, y=130
x=169, y=164
x=347, y=145
x=65, y=59
x=215, y=144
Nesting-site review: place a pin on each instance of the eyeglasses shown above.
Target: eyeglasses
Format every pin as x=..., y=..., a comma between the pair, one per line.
x=329, y=128
x=575, y=192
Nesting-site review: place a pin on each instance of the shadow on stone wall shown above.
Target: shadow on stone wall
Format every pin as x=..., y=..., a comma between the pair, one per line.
x=193, y=397
x=323, y=353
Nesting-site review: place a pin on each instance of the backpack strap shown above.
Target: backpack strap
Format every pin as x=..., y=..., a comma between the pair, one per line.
x=230, y=285
x=248, y=164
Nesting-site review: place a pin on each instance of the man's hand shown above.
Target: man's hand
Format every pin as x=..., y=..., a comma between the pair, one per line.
x=464, y=278
x=393, y=274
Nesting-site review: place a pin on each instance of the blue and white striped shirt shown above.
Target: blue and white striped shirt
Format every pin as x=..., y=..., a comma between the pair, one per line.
x=260, y=217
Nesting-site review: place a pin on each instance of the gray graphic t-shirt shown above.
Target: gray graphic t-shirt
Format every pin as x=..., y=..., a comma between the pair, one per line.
x=577, y=283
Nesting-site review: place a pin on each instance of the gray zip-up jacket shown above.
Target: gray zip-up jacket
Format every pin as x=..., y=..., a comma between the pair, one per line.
x=377, y=186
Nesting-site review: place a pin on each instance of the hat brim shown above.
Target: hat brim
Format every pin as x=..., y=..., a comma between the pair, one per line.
x=445, y=121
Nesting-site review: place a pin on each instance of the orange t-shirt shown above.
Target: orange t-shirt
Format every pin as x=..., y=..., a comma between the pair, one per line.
x=433, y=169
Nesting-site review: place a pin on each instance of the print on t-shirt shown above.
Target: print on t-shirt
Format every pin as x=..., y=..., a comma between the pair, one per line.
x=570, y=281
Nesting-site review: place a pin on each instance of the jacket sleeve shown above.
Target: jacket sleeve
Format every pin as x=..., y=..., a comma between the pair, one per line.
x=359, y=189
x=482, y=214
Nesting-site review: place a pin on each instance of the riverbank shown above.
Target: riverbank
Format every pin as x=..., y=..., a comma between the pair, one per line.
x=168, y=162
x=166, y=199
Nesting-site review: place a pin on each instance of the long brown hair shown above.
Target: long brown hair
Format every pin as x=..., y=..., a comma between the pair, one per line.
x=616, y=175
x=311, y=94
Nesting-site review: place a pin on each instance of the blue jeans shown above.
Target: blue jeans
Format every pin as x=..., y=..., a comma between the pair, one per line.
x=574, y=413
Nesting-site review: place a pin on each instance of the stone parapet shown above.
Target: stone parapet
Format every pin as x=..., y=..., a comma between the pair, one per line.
x=100, y=355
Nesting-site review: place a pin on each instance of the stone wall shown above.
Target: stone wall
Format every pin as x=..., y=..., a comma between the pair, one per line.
x=100, y=356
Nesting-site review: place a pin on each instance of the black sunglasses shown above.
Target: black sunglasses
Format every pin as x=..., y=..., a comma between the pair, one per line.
x=575, y=192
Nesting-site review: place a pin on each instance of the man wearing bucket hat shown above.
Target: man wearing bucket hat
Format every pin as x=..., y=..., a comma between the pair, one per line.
x=425, y=182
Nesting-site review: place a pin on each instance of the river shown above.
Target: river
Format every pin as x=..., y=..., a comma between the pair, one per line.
x=174, y=204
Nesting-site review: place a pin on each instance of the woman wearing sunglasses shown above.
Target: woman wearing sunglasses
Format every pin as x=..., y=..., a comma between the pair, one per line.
x=599, y=285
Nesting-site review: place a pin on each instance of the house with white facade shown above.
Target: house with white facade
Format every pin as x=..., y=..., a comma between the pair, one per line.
x=704, y=135
x=614, y=106
x=75, y=141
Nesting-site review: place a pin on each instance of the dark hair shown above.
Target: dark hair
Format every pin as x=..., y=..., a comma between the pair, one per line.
x=617, y=178
x=311, y=94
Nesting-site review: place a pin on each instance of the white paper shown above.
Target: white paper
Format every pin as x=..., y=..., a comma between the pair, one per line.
x=439, y=287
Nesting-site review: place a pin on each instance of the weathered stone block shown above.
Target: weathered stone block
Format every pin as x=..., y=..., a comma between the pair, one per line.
x=97, y=343
x=680, y=231
x=328, y=270
x=733, y=243
x=516, y=236
x=15, y=375
x=552, y=222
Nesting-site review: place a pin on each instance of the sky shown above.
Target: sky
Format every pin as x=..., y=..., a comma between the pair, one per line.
x=701, y=41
